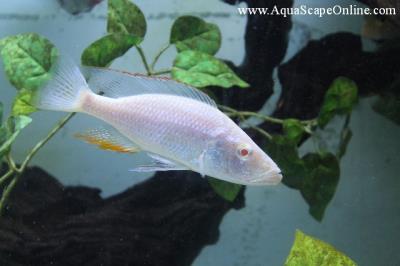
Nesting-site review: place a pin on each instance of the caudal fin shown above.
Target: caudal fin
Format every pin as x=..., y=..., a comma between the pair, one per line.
x=64, y=90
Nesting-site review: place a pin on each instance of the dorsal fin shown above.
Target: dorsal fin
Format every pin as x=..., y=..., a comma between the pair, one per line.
x=108, y=139
x=115, y=83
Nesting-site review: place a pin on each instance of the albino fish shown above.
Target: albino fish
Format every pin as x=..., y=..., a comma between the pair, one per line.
x=178, y=126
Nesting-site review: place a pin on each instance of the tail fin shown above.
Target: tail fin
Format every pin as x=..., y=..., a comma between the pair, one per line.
x=63, y=91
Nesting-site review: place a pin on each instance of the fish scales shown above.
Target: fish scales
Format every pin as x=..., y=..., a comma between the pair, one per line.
x=172, y=126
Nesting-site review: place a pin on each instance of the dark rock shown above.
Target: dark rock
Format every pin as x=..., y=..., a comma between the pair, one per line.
x=266, y=40
x=307, y=76
x=166, y=220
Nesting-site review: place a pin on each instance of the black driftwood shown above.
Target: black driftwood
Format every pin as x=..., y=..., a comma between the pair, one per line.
x=266, y=40
x=163, y=221
x=306, y=77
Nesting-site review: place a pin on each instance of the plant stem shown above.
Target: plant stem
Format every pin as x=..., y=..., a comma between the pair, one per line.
x=262, y=132
x=235, y=113
x=10, y=161
x=144, y=60
x=261, y=116
x=162, y=50
x=308, y=124
x=232, y=113
x=243, y=119
x=311, y=122
x=162, y=71
x=19, y=171
x=6, y=176
x=41, y=143
x=7, y=192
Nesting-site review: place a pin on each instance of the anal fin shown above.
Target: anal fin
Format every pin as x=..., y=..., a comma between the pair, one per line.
x=108, y=139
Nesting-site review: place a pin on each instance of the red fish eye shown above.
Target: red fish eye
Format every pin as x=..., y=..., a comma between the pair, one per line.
x=244, y=152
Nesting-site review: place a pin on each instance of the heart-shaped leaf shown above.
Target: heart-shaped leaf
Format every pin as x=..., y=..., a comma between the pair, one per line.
x=193, y=33
x=8, y=39
x=23, y=103
x=103, y=51
x=200, y=70
x=285, y=154
x=226, y=190
x=315, y=175
x=339, y=100
x=125, y=17
x=27, y=59
x=307, y=250
x=320, y=182
x=293, y=129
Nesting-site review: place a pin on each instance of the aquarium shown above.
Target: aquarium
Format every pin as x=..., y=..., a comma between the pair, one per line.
x=215, y=132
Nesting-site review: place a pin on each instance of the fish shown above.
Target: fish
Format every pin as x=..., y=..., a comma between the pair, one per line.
x=177, y=125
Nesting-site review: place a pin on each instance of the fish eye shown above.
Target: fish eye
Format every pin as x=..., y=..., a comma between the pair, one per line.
x=244, y=151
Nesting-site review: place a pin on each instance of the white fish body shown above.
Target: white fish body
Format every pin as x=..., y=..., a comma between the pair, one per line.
x=177, y=125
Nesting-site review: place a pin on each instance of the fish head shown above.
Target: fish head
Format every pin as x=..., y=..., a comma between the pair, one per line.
x=239, y=160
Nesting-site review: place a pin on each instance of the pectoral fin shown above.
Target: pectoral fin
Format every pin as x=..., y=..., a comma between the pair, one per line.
x=159, y=163
x=108, y=139
x=201, y=163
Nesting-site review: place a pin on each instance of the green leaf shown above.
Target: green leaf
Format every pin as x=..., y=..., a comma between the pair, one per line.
x=320, y=182
x=226, y=190
x=339, y=100
x=103, y=51
x=193, y=33
x=389, y=107
x=285, y=154
x=200, y=70
x=27, y=60
x=125, y=17
x=23, y=103
x=293, y=129
x=315, y=175
x=14, y=127
x=8, y=39
x=17, y=123
x=307, y=250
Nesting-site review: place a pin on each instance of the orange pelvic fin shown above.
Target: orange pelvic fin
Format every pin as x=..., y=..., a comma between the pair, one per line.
x=108, y=140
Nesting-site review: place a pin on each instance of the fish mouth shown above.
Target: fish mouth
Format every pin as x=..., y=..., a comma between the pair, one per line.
x=272, y=177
